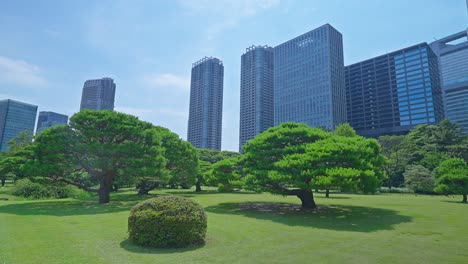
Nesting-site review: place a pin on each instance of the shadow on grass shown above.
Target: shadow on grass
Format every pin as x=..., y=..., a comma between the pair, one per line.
x=129, y=246
x=333, y=217
x=65, y=208
x=193, y=193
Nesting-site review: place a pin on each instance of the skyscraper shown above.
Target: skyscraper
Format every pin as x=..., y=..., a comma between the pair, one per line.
x=206, y=104
x=15, y=117
x=98, y=94
x=256, y=99
x=48, y=119
x=453, y=65
x=392, y=93
x=309, y=79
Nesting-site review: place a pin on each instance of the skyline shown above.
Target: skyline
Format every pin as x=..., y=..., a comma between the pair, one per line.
x=50, y=48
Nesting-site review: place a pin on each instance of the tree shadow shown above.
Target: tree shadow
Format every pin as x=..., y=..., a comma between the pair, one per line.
x=65, y=208
x=193, y=193
x=333, y=217
x=129, y=246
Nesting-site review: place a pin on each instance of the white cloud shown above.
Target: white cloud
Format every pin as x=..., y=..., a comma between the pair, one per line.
x=167, y=81
x=20, y=72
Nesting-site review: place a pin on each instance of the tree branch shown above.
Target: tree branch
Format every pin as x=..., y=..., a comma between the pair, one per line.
x=81, y=186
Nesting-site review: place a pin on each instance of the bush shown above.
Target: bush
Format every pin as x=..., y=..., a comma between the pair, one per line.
x=394, y=190
x=46, y=189
x=167, y=221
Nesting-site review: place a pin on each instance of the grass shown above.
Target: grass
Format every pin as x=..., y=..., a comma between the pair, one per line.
x=243, y=228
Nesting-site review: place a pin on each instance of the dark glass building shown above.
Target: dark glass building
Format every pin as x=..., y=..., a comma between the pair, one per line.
x=256, y=92
x=98, y=94
x=393, y=93
x=453, y=65
x=206, y=104
x=15, y=117
x=309, y=79
x=48, y=119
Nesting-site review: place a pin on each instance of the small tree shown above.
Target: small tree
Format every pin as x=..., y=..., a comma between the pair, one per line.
x=419, y=179
x=226, y=174
x=452, y=177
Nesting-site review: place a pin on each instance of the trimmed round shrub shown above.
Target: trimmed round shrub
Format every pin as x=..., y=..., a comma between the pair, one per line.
x=167, y=221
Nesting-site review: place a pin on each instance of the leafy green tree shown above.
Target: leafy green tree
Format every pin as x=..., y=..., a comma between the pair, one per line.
x=226, y=174
x=105, y=145
x=181, y=159
x=263, y=153
x=393, y=150
x=208, y=157
x=203, y=173
x=14, y=163
x=419, y=179
x=345, y=130
x=452, y=177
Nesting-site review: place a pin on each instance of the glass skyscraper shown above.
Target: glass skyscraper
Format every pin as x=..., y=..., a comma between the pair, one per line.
x=48, y=119
x=309, y=79
x=206, y=104
x=98, y=94
x=453, y=65
x=256, y=89
x=393, y=93
x=15, y=117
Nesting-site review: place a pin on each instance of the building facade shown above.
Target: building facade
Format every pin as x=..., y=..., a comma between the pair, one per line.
x=48, y=119
x=453, y=64
x=309, y=84
x=98, y=94
x=256, y=92
x=15, y=117
x=206, y=104
x=392, y=93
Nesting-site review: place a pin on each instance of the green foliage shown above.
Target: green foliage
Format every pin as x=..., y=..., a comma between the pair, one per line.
x=419, y=179
x=394, y=190
x=102, y=145
x=212, y=156
x=45, y=189
x=181, y=159
x=345, y=130
x=167, y=221
x=452, y=177
x=226, y=174
x=264, y=151
x=15, y=163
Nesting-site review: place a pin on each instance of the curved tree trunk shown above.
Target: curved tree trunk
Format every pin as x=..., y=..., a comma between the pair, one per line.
x=465, y=198
x=105, y=186
x=327, y=193
x=307, y=198
x=198, y=187
x=3, y=182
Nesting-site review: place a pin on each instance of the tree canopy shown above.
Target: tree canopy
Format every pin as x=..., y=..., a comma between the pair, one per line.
x=452, y=177
x=291, y=159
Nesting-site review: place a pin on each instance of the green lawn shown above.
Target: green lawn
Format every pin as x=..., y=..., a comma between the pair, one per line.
x=244, y=228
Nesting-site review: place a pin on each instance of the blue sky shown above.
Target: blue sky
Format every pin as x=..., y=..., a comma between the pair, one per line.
x=48, y=48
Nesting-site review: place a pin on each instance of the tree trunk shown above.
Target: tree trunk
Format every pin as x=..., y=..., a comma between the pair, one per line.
x=115, y=187
x=307, y=198
x=105, y=186
x=464, y=198
x=143, y=191
x=327, y=193
x=3, y=182
x=198, y=187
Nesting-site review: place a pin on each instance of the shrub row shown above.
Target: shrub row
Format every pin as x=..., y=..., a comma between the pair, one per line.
x=35, y=190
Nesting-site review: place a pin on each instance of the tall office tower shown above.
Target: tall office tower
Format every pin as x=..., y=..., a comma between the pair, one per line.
x=98, y=94
x=48, y=119
x=206, y=104
x=393, y=93
x=453, y=65
x=256, y=99
x=15, y=117
x=309, y=82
